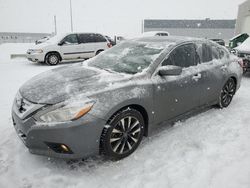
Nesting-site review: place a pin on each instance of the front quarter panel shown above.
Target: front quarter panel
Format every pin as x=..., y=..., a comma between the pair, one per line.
x=110, y=101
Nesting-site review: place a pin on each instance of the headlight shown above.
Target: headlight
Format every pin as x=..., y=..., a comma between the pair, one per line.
x=66, y=112
x=35, y=51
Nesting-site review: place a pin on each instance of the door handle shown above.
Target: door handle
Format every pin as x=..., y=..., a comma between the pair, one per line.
x=196, y=77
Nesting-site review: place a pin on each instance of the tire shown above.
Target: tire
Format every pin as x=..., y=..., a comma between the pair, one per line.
x=227, y=93
x=52, y=59
x=123, y=134
x=98, y=52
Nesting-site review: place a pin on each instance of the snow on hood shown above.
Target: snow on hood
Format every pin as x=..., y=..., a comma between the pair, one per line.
x=52, y=41
x=60, y=84
x=245, y=46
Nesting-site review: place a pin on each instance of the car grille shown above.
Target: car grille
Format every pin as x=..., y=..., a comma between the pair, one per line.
x=23, y=108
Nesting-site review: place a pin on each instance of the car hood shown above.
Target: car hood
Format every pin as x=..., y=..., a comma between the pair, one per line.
x=244, y=47
x=60, y=84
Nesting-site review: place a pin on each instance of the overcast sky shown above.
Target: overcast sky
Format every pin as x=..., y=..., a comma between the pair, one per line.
x=123, y=17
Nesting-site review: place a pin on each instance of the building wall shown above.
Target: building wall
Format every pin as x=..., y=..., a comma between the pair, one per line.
x=243, y=20
x=21, y=37
x=225, y=34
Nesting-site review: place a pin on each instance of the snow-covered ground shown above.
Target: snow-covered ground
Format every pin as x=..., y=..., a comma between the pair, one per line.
x=210, y=150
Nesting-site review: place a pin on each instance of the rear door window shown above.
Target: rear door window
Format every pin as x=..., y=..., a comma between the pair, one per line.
x=100, y=38
x=86, y=38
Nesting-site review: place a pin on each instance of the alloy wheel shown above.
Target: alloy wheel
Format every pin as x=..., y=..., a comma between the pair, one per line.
x=125, y=135
x=227, y=93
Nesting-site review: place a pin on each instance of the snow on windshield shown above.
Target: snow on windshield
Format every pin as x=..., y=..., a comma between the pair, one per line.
x=128, y=57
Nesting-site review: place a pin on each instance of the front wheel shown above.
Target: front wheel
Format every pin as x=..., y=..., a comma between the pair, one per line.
x=52, y=59
x=227, y=93
x=123, y=134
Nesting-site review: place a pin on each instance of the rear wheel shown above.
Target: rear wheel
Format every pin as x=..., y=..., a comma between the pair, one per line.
x=227, y=93
x=123, y=134
x=52, y=59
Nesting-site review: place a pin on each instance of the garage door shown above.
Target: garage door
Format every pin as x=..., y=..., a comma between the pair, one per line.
x=246, y=25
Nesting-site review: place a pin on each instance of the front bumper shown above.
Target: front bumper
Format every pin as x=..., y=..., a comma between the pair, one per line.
x=35, y=57
x=82, y=136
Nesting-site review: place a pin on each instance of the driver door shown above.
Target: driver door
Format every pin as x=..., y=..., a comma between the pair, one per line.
x=70, y=48
x=176, y=95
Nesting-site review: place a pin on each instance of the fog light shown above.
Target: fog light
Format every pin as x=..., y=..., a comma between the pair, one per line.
x=65, y=148
x=59, y=148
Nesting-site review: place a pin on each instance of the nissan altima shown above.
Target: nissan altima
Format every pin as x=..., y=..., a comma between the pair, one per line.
x=107, y=104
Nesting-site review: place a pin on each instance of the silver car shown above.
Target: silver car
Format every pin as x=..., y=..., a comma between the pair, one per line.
x=106, y=104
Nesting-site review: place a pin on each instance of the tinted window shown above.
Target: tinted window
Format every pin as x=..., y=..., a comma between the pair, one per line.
x=90, y=38
x=86, y=38
x=161, y=34
x=183, y=56
x=71, y=39
x=99, y=38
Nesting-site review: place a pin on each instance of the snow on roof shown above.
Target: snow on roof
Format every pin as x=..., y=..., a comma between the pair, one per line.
x=207, y=23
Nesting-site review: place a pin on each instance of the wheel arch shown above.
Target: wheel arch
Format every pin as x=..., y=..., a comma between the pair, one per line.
x=99, y=50
x=51, y=52
x=235, y=79
x=137, y=107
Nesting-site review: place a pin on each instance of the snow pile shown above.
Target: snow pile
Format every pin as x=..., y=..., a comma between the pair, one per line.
x=7, y=49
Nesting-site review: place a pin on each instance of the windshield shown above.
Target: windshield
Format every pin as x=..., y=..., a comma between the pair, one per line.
x=57, y=38
x=129, y=57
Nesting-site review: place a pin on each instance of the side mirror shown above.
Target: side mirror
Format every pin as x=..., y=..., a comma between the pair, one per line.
x=170, y=70
x=61, y=43
x=234, y=51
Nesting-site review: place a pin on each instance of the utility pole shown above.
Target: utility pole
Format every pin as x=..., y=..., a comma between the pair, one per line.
x=71, y=19
x=55, y=24
x=142, y=26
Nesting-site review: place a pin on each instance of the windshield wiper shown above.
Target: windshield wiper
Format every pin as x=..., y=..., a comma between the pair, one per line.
x=109, y=70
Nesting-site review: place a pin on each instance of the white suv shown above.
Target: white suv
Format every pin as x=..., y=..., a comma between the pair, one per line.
x=71, y=46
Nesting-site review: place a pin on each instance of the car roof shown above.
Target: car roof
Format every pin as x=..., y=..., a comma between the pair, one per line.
x=169, y=39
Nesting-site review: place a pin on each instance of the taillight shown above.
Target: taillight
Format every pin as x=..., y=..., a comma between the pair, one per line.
x=109, y=45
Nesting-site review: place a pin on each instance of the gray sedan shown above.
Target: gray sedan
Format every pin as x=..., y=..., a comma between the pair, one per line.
x=106, y=105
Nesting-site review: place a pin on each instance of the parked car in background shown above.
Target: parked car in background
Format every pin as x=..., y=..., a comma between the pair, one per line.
x=155, y=33
x=237, y=40
x=108, y=103
x=243, y=51
x=71, y=46
x=219, y=41
x=111, y=41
